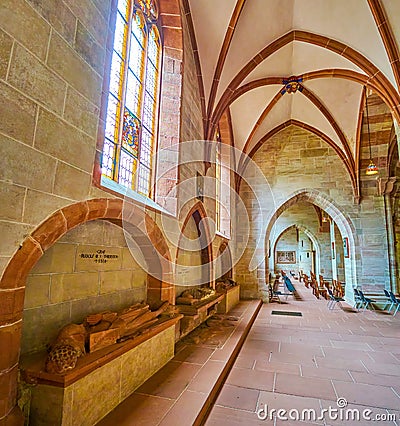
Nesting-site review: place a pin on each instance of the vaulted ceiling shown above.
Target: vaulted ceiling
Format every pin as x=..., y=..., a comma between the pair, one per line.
x=273, y=63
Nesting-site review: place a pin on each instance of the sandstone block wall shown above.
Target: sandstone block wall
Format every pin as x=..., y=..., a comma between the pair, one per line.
x=69, y=282
x=292, y=167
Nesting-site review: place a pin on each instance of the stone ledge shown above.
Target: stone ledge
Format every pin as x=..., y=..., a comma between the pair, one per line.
x=232, y=297
x=228, y=354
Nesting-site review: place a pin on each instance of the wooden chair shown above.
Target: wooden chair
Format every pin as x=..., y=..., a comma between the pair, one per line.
x=323, y=287
x=337, y=289
x=314, y=286
x=317, y=289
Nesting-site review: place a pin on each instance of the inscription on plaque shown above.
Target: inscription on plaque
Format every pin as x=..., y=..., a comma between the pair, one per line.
x=98, y=258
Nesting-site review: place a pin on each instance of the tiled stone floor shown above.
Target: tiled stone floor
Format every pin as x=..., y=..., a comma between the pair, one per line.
x=309, y=362
x=285, y=363
x=177, y=393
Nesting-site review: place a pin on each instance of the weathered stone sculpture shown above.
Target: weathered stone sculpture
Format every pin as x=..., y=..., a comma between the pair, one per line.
x=68, y=347
x=223, y=286
x=98, y=331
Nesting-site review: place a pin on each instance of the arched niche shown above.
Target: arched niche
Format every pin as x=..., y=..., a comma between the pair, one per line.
x=193, y=266
x=13, y=280
x=90, y=269
x=223, y=263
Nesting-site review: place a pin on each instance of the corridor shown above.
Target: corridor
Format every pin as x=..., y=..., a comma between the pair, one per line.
x=309, y=362
x=286, y=362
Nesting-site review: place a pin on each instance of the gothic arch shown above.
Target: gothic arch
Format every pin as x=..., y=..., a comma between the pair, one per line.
x=44, y=236
x=342, y=221
x=199, y=214
x=342, y=157
x=374, y=78
x=224, y=259
x=311, y=236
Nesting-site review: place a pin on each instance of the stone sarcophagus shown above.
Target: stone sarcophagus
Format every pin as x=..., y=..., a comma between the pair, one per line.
x=92, y=367
x=196, y=305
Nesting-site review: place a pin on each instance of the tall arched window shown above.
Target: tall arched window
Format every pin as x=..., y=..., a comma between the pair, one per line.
x=133, y=98
x=218, y=181
x=222, y=185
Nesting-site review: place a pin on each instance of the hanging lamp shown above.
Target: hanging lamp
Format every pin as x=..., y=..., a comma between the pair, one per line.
x=372, y=169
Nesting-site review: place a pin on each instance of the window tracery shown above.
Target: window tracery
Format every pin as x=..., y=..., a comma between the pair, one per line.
x=133, y=97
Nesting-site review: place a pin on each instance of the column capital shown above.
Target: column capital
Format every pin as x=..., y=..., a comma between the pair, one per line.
x=385, y=186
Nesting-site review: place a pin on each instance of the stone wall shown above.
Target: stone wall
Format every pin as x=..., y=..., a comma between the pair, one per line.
x=304, y=216
x=306, y=251
x=53, y=58
x=297, y=162
x=188, y=262
x=287, y=242
x=52, y=64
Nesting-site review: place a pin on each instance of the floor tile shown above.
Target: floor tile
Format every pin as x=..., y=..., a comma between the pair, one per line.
x=325, y=373
x=238, y=397
x=375, y=379
x=171, y=380
x=229, y=416
x=304, y=386
x=194, y=354
x=185, y=410
x=380, y=368
x=368, y=395
x=276, y=366
x=138, y=410
x=382, y=357
x=261, y=380
x=206, y=378
x=303, y=349
x=276, y=401
x=341, y=363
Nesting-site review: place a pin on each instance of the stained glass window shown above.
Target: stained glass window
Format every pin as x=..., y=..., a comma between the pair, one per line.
x=132, y=104
x=218, y=182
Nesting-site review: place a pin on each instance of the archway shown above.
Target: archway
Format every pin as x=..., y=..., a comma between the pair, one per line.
x=197, y=245
x=223, y=263
x=343, y=223
x=313, y=239
x=43, y=237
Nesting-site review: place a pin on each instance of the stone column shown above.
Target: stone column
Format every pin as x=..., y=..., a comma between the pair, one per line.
x=385, y=188
x=333, y=250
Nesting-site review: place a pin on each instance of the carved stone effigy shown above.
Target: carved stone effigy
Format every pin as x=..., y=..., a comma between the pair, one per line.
x=196, y=305
x=98, y=331
x=68, y=347
x=195, y=295
x=224, y=286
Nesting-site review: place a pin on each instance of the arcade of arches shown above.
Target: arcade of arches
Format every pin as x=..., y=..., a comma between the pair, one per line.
x=264, y=121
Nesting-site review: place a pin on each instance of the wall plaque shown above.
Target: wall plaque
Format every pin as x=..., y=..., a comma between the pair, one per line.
x=95, y=258
x=285, y=257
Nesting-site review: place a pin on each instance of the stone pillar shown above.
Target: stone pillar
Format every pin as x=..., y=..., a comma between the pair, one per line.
x=385, y=188
x=397, y=131
x=333, y=250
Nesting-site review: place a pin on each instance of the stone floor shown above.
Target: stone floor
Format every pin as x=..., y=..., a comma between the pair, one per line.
x=321, y=360
x=182, y=390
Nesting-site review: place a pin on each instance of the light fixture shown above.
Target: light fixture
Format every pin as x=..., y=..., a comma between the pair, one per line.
x=372, y=169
